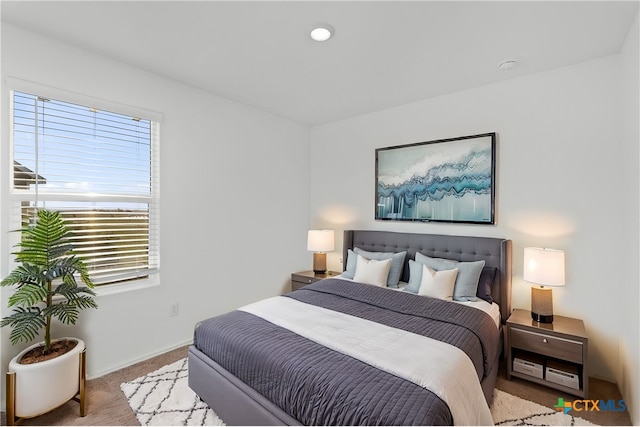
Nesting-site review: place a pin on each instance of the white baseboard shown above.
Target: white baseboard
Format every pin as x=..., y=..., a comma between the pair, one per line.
x=115, y=368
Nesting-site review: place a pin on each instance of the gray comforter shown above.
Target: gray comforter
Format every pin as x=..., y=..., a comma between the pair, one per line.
x=319, y=386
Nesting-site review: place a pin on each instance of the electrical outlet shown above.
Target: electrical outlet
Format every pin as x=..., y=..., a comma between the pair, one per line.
x=173, y=309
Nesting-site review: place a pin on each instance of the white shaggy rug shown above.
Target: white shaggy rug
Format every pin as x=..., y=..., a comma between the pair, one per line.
x=510, y=410
x=163, y=397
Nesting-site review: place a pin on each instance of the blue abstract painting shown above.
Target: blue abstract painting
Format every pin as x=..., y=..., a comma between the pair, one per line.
x=449, y=180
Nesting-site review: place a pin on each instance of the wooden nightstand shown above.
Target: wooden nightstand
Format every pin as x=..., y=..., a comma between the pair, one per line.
x=304, y=278
x=561, y=345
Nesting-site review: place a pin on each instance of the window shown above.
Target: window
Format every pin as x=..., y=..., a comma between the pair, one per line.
x=100, y=169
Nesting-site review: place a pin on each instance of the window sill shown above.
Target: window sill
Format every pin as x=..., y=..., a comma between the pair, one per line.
x=119, y=288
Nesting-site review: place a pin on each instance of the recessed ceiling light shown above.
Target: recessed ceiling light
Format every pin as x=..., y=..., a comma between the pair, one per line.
x=322, y=32
x=507, y=65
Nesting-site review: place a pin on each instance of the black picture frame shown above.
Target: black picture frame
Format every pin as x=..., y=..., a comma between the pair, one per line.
x=446, y=180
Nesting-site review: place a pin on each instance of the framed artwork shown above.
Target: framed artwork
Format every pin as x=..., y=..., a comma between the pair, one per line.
x=448, y=180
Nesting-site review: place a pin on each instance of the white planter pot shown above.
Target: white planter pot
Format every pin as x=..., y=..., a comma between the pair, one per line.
x=43, y=386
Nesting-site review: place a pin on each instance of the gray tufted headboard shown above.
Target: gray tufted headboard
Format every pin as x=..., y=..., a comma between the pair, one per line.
x=495, y=251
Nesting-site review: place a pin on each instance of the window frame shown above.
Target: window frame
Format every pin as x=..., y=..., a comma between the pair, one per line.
x=16, y=196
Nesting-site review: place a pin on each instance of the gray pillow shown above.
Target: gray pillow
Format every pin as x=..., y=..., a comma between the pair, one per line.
x=352, y=260
x=468, y=275
x=397, y=262
x=415, y=277
x=485, y=283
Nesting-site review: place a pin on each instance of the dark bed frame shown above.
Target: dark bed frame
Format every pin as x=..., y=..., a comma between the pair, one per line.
x=238, y=404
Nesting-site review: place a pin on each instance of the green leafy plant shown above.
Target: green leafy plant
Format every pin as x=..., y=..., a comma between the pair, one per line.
x=46, y=282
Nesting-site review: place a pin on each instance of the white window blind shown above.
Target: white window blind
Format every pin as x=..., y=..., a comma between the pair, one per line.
x=100, y=169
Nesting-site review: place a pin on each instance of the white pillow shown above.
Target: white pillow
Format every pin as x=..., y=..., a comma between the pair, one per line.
x=438, y=284
x=371, y=271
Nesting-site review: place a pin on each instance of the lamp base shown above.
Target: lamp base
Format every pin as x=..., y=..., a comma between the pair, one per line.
x=540, y=318
x=541, y=304
x=319, y=262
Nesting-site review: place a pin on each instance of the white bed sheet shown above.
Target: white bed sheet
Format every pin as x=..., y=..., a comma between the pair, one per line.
x=492, y=309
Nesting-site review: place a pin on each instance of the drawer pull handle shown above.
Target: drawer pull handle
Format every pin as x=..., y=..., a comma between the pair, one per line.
x=544, y=340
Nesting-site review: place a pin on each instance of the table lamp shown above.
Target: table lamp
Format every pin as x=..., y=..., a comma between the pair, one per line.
x=543, y=267
x=320, y=242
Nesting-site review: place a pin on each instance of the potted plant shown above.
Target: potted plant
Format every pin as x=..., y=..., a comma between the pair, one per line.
x=47, y=374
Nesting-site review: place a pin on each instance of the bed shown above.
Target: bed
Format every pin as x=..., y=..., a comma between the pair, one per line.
x=274, y=364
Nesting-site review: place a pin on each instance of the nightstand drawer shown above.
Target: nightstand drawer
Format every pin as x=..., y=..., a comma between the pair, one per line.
x=303, y=279
x=561, y=348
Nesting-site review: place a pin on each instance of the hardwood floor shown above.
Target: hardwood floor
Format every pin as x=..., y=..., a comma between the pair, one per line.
x=107, y=405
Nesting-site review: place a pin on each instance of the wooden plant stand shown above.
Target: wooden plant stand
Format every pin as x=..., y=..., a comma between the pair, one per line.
x=10, y=394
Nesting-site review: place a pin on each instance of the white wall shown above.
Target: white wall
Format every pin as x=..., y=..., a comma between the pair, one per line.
x=567, y=139
x=558, y=173
x=234, y=201
x=628, y=374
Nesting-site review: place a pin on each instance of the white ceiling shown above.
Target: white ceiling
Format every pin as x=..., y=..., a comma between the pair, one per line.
x=384, y=53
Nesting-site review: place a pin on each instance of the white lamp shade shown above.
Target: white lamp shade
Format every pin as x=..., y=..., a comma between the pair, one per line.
x=320, y=241
x=544, y=266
